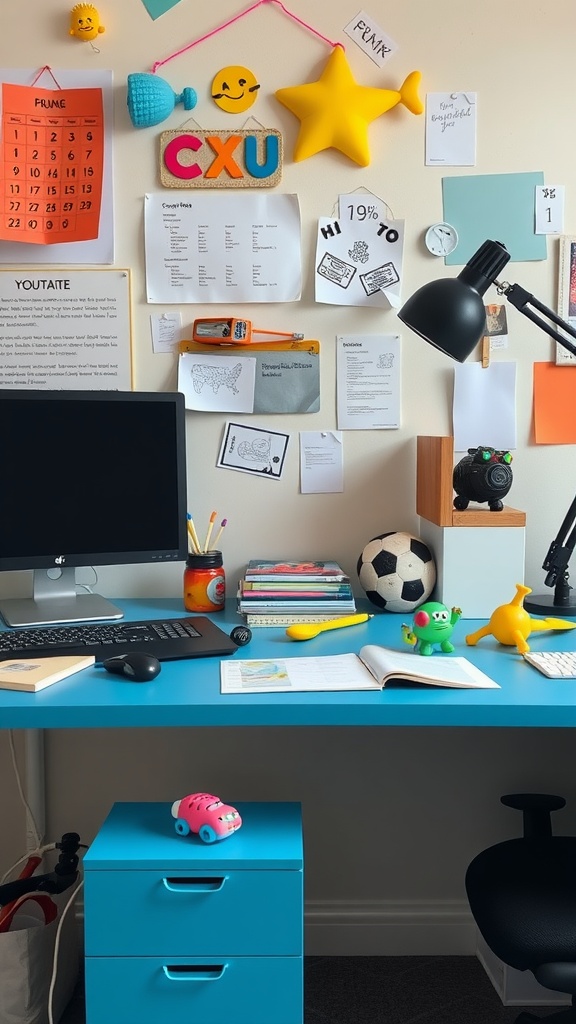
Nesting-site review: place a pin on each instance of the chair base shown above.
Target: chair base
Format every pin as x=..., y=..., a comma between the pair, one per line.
x=567, y=1016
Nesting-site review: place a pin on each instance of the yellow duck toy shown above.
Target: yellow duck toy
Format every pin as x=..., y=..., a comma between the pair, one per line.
x=511, y=624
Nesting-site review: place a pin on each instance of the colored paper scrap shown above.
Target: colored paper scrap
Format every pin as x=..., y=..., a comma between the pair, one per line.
x=497, y=206
x=156, y=8
x=554, y=398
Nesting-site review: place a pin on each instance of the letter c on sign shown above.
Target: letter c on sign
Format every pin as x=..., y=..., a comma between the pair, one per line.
x=172, y=152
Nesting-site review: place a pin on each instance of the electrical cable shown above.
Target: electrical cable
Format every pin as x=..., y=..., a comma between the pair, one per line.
x=54, y=975
x=37, y=837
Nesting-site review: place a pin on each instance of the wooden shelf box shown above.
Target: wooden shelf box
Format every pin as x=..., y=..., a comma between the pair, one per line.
x=479, y=553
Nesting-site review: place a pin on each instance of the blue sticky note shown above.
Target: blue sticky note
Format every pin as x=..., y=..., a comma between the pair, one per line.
x=157, y=7
x=496, y=206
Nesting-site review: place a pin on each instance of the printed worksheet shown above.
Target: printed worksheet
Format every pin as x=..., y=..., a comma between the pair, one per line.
x=368, y=381
x=222, y=248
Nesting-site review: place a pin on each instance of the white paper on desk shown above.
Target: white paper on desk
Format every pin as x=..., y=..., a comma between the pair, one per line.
x=451, y=129
x=213, y=383
x=484, y=411
x=368, y=381
x=321, y=462
x=222, y=248
x=359, y=262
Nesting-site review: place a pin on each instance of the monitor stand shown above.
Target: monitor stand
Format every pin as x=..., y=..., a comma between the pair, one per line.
x=56, y=601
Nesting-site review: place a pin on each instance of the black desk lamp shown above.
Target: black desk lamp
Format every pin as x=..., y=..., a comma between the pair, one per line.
x=450, y=314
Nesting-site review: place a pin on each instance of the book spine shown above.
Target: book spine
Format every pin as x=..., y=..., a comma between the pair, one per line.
x=255, y=620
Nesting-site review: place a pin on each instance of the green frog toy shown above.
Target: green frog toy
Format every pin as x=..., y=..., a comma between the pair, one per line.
x=432, y=627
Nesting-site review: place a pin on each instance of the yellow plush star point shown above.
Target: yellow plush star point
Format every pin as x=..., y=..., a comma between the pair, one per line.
x=335, y=111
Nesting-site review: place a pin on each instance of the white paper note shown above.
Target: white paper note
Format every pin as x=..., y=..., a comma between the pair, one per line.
x=321, y=462
x=485, y=406
x=368, y=381
x=166, y=331
x=451, y=129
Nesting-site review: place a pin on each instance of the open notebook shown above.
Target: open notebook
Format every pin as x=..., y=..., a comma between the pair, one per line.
x=371, y=669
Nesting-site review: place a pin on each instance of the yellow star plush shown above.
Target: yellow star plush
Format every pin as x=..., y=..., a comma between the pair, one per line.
x=335, y=111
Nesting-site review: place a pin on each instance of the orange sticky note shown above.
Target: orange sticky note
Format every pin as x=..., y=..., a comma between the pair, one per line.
x=52, y=158
x=554, y=404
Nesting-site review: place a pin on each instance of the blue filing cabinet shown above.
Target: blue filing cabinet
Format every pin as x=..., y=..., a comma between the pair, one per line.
x=179, y=930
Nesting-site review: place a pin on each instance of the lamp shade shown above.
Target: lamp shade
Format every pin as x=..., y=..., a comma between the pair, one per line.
x=449, y=313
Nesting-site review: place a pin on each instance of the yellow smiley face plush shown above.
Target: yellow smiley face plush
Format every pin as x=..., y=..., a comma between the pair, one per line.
x=85, y=22
x=234, y=89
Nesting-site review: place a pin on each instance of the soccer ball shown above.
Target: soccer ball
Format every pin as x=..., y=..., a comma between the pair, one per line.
x=397, y=571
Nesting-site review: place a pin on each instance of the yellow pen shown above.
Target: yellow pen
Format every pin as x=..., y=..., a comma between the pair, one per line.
x=305, y=631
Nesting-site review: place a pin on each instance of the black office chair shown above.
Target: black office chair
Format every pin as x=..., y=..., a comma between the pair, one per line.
x=522, y=894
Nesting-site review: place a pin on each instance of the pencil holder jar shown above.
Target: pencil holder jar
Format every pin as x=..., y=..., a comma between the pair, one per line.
x=204, y=582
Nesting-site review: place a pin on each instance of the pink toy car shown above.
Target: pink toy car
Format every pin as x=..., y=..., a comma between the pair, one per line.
x=206, y=815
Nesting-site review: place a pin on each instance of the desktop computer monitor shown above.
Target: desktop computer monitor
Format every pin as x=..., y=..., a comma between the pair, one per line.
x=87, y=478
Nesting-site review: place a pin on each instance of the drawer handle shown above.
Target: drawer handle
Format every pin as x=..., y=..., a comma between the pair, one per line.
x=195, y=884
x=194, y=972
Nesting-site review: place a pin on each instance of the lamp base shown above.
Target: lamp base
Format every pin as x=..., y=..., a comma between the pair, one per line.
x=545, y=604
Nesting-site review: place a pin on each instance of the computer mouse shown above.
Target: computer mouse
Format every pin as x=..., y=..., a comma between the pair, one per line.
x=136, y=666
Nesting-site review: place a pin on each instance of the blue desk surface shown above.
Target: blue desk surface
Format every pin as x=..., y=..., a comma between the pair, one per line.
x=187, y=693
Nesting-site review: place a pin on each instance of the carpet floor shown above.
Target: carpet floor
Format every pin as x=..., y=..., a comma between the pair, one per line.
x=388, y=990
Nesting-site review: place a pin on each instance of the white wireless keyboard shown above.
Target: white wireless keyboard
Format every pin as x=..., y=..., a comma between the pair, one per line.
x=554, y=664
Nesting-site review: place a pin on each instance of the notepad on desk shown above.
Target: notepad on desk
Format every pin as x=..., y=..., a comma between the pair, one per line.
x=372, y=669
x=33, y=674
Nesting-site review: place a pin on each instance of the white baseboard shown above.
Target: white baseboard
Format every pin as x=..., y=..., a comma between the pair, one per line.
x=389, y=928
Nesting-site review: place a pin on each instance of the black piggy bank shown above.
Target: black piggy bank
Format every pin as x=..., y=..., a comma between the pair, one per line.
x=483, y=475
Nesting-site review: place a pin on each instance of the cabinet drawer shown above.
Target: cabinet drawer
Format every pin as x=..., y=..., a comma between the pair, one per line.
x=156, y=913
x=246, y=990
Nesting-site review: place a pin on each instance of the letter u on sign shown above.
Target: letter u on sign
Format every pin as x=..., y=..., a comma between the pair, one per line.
x=217, y=159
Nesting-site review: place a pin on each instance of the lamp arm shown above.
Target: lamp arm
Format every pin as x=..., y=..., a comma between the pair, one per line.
x=560, y=551
x=522, y=300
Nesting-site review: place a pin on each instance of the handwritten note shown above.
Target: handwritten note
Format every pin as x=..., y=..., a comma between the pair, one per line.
x=371, y=38
x=451, y=129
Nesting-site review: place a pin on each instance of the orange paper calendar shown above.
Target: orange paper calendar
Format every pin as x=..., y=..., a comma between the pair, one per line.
x=52, y=164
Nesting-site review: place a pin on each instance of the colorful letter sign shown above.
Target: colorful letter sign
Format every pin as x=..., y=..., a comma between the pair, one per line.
x=220, y=159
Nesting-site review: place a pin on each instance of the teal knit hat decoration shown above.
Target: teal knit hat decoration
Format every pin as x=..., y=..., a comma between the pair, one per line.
x=151, y=99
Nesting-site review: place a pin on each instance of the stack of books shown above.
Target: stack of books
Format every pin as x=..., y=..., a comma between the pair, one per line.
x=282, y=593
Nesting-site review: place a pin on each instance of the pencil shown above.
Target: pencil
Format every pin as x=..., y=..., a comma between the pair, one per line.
x=220, y=532
x=209, y=531
x=193, y=535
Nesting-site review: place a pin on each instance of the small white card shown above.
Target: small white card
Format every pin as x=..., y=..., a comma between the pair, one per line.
x=166, y=331
x=549, y=209
x=321, y=462
x=371, y=38
x=215, y=383
x=451, y=129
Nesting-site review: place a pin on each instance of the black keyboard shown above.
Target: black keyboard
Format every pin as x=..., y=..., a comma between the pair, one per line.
x=194, y=637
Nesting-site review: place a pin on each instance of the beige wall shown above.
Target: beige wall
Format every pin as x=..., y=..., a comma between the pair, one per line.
x=432, y=795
